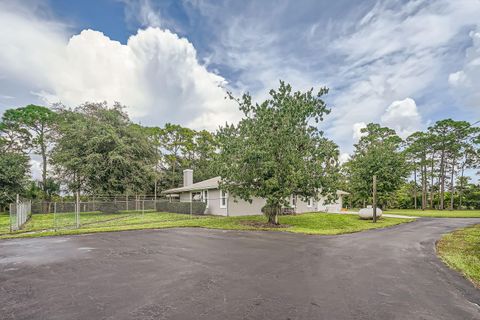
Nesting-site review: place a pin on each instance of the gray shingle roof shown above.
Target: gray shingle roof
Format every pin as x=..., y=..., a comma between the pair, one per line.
x=202, y=185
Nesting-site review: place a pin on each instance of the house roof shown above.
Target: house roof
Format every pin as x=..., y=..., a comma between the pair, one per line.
x=202, y=185
x=211, y=183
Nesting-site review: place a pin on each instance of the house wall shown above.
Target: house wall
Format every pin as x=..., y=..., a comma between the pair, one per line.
x=185, y=197
x=302, y=206
x=214, y=203
x=245, y=208
x=238, y=207
x=334, y=207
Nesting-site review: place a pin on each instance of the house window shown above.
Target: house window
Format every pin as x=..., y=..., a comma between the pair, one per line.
x=310, y=202
x=294, y=201
x=205, y=197
x=223, y=199
x=196, y=196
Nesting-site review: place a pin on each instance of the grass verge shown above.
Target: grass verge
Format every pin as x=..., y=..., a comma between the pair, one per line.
x=461, y=251
x=308, y=223
x=4, y=222
x=436, y=213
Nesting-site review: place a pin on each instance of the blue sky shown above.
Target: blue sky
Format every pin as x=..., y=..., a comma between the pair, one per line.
x=404, y=64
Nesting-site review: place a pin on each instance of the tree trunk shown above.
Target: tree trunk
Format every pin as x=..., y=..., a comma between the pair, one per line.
x=460, y=192
x=442, y=179
x=452, y=188
x=272, y=212
x=438, y=192
x=44, y=178
x=415, y=187
x=431, y=181
x=424, y=187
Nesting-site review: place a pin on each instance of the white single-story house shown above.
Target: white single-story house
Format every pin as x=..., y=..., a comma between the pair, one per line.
x=219, y=203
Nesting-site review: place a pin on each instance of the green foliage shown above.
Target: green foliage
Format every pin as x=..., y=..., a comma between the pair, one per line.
x=30, y=128
x=439, y=157
x=377, y=153
x=14, y=172
x=100, y=151
x=178, y=148
x=403, y=198
x=276, y=151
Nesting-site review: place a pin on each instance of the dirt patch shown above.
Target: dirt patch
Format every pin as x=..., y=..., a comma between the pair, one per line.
x=259, y=224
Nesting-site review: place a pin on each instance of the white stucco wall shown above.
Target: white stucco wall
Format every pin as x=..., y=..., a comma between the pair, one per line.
x=302, y=206
x=214, y=203
x=245, y=208
x=238, y=207
x=334, y=207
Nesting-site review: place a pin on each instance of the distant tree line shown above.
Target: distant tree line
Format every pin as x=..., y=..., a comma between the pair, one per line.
x=95, y=149
x=427, y=170
x=275, y=151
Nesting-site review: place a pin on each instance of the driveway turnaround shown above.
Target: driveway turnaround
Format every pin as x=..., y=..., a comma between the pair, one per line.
x=213, y=274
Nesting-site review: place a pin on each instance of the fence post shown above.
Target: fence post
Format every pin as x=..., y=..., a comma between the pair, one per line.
x=55, y=216
x=11, y=216
x=155, y=196
x=18, y=211
x=374, y=198
x=77, y=207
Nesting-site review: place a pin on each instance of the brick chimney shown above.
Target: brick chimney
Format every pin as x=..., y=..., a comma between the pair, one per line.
x=187, y=177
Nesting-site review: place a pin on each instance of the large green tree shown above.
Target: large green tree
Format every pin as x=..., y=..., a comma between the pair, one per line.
x=452, y=141
x=277, y=150
x=176, y=143
x=419, y=151
x=181, y=148
x=30, y=128
x=379, y=153
x=14, y=173
x=100, y=151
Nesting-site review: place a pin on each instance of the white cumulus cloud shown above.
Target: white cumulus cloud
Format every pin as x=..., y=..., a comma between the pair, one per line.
x=465, y=81
x=357, y=130
x=156, y=74
x=403, y=117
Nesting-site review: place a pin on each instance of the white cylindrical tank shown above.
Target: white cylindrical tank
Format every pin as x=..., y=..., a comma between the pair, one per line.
x=367, y=213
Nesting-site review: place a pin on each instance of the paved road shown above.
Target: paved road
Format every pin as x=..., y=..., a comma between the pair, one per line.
x=213, y=274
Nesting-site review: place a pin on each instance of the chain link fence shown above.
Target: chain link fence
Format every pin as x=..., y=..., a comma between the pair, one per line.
x=93, y=212
x=20, y=213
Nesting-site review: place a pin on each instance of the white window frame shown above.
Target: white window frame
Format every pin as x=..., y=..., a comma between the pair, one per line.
x=294, y=201
x=223, y=197
x=205, y=197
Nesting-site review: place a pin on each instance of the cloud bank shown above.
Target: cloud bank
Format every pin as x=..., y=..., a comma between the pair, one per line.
x=156, y=74
x=466, y=80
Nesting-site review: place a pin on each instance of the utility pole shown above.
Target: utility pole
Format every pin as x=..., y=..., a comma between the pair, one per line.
x=374, y=198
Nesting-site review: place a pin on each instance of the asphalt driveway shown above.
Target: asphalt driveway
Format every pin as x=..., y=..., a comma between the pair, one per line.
x=212, y=274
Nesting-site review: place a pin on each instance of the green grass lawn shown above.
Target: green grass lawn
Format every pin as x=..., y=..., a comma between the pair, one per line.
x=461, y=251
x=309, y=223
x=4, y=222
x=436, y=213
